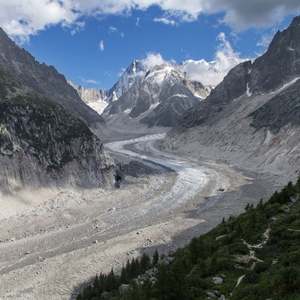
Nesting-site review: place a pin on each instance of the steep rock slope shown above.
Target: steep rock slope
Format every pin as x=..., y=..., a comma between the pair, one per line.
x=43, y=79
x=135, y=71
x=278, y=66
x=42, y=144
x=251, y=118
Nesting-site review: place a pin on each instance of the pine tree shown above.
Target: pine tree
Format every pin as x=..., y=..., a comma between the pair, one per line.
x=145, y=262
x=155, y=258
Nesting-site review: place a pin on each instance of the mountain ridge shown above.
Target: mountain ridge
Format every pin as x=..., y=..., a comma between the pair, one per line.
x=42, y=143
x=250, y=119
x=43, y=79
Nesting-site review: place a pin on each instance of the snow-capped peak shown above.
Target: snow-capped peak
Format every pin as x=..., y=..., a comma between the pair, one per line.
x=135, y=71
x=159, y=74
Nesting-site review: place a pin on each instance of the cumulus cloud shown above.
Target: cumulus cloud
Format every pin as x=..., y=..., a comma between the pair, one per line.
x=101, y=45
x=212, y=72
x=23, y=18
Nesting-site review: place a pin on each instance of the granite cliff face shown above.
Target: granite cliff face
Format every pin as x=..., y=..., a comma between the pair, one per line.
x=42, y=143
x=280, y=64
x=134, y=72
x=43, y=79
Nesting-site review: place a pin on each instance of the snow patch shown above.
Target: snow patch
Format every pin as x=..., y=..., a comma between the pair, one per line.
x=114, y=97
x=179, y=96
x=248, y=92
x=268, y=138
x=291, y=49
x=98, y=106
x=153, y=106
x=286, y=85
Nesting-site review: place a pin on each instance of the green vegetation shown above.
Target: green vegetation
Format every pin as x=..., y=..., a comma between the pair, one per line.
x=255, y=256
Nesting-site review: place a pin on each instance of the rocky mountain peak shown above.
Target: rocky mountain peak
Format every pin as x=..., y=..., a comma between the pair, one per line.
x=135, y=70
x=281, y=62
x=296, y=21
x=269, y=72
x=43, y=79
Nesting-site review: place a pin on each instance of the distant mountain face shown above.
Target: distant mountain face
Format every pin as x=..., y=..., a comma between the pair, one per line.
x=158, y=96
x=252, y=117
x=134, y=72
x=43, y=79
x=95, y=98
x=43, y=141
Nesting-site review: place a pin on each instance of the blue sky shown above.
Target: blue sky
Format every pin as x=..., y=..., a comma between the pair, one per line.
x=93, y=50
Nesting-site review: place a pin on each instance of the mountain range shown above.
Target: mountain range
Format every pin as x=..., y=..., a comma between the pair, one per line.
x=250, y=119
x=154, y=95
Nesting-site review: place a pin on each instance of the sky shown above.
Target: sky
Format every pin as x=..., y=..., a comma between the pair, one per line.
x=92, y=41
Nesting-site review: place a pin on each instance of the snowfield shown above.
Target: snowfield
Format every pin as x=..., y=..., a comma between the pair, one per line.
x=51, y=241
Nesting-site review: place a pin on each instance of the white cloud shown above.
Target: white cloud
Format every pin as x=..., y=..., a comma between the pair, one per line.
x=137, y=22
x=79, y=26
x=22, y=18
x=152, y=60
x=213, y=72
x=113, y=29
x=265, y=40
x=165, y=21
x=101, y=45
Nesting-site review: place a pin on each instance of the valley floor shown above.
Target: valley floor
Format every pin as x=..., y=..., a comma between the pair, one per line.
x=52, y=240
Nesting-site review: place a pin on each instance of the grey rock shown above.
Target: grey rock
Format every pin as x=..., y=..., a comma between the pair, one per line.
x=124, y=288
x=41, y=144
x=217, y=280
x=280, y=63
x=281, y=110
